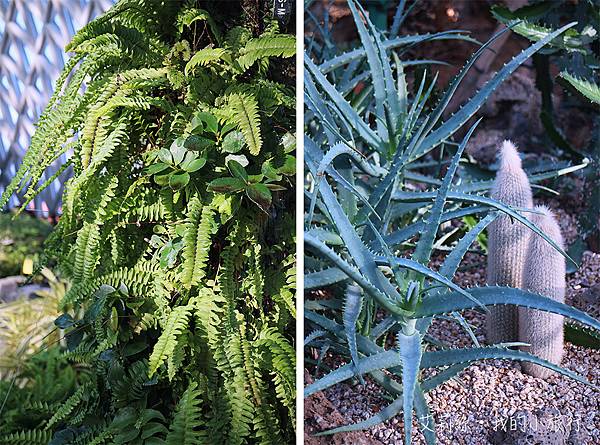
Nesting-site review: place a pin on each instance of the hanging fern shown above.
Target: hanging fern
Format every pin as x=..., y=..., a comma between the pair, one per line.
x=187, y=427
x=176, y=239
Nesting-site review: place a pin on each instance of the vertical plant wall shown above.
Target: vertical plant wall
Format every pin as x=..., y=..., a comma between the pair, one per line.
x=176, y=234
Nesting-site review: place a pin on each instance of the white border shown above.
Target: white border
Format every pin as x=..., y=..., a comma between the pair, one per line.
x=299, y=222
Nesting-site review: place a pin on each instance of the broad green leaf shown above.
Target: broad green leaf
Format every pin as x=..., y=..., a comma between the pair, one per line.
x=233, y=142
x=237, y=170
x=260, y=195
x=226, y=185
x=179, y=180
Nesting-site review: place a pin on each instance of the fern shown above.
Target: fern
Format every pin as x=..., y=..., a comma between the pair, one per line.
x=169, y=280
x=187, y=426
x=266, y=47
x=197, y=241
x=175, y=324
x=30, y=437
x=245, y=114
x=68, y=407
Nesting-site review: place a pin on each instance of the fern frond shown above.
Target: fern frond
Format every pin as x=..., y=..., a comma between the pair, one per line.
x=197, y=242
x=68, y=406
x=245, y=114
x=188, y=426
x=167, y=341
x=86, y=252
x=29, y=437
x=204, y=57
x=265, y=47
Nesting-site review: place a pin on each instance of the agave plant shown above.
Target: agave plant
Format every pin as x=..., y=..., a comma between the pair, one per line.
x=368, y=142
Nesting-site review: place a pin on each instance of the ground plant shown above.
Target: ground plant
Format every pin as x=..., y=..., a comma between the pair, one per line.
x=175, y=238
x=381, y=164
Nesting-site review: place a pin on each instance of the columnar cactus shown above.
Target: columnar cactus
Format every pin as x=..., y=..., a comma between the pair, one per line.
x=544, y=274
x=507, y=242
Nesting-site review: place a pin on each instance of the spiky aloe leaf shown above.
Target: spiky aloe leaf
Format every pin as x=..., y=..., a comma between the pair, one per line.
x=454, y=258
x=360, y=255
x=352, y=308
x=410, y=354
x=424, y=417
x=587, y=88
x=405, y=233
x=425, y=244
x=345, y=110
x=396, y=406
x=447, y=357
x=323, y=278
x=432, y=359
x=450, y=126
x=466, y=197
x=380, y=69
x=494, y=295
x=350, y=56
x=354, y=274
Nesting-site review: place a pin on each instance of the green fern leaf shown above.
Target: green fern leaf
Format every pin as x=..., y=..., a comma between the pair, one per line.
x=176, y=323
x=197, y=242
x=245, y=114
x=187, y=426
x=265, y=47
x=30, y=437
x=86, y=252
x=204, y=57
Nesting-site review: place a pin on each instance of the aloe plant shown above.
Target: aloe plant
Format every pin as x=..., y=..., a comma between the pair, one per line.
x=369, y=154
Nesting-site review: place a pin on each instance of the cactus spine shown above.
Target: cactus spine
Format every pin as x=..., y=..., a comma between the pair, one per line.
x=544, y=274
x=507, y=242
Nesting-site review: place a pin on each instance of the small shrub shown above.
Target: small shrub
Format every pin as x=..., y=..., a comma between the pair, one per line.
x=20, y=238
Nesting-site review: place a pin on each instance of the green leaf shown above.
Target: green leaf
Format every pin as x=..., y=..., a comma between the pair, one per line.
x=260, y=195
x=192, y=15
x=585, y=87
x=179, y=180
x=156, y=168
x=267, y=46
x=192, y=163
x=233, y=142
x=237, y=170
x=204, y=57
x=226, y=185
x=178, y=150
x=207, y=118
x=198, y=143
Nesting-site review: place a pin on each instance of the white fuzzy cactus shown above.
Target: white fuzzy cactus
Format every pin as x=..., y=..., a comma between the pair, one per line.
x=544, y=274
x=507, y=242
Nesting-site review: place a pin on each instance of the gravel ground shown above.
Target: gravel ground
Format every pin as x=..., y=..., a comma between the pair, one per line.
x=471, y=408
